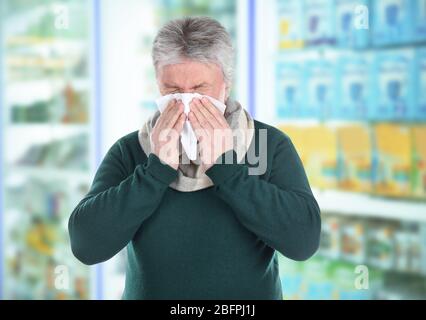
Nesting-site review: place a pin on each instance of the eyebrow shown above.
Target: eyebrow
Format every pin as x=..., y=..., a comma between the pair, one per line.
x=173, y=86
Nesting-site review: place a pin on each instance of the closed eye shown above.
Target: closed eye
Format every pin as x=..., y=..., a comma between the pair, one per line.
x=204, y=85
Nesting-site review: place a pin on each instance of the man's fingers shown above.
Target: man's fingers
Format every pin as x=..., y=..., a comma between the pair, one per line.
x=170, y=106
x=180, y=123
x=196, y=126
x=173, y=115
x=203, y=116
x=163, y=115
x=167, y=111
x=214, y=111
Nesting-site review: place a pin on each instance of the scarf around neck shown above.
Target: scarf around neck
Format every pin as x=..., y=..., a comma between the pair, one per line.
x=191, y=176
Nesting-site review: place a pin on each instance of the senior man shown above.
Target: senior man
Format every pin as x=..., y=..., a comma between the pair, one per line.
x=206, y=227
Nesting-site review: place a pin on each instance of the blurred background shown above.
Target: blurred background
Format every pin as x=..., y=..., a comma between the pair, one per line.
x=345, y=79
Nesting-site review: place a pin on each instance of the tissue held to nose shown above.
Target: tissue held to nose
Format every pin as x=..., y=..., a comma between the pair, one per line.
x=188, y=137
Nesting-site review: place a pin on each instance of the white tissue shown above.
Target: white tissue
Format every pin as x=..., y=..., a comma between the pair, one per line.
x=188, y=137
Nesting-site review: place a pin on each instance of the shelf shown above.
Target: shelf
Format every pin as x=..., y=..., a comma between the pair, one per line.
x=391, y=269
x=362, y=205
x=36, y=133
x=43, y=41
x=44, y=83
x=37, y=62
x=49, y=173
x=49, y=126
x=297, y=122
x=42, y=90
x=370, y=48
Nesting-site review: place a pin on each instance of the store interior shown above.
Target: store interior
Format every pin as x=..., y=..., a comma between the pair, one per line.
x=344, y=79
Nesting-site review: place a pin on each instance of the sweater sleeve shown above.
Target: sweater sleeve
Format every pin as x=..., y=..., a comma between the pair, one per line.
x=282, y=210
x=106, y=220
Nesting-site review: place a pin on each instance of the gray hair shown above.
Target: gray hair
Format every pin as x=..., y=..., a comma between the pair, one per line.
x=201, y=39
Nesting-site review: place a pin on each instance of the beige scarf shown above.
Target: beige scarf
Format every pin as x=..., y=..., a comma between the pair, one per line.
x=191, y=176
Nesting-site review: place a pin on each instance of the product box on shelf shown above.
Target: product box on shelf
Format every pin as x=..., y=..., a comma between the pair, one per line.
x=67, y=153
x=317, y=148
x=380, y=246
x=392, y=21
x=289, y=90
x=392, y=160
x=408, y=251
x=330, y=237
x=317, y=280
x=419, y=161
x=420, y=20
x=69, y=106
x=354, y=83
x=37, y=241
x=351, y=284
x=352, y=23
x=320, y=86
x=290, y=21
x=319, y=22
x=355, y=158
x=393, y=77
x=420, y=86
x=353, y=241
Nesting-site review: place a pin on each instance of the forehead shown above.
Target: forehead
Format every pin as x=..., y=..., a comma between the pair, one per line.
x=188, y=73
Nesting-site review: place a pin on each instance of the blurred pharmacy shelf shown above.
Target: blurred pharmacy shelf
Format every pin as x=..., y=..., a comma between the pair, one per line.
x=46, y=173
x=351, y=99
x=51, y=146
x=83, y=92
x=361, y=205
x=2, y=122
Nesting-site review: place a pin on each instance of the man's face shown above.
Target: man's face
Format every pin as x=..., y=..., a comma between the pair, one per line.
x=190, y=77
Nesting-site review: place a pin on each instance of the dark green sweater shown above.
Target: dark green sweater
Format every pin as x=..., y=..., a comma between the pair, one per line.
x=216, y=243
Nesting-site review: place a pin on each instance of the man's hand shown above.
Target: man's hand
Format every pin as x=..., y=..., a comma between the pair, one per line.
x=166, y=133
x=213, y=132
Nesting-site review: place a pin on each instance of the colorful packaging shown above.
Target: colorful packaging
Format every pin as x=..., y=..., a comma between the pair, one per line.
x=344, y=279
x=352, y=23
x=353, y=241
x=419, y=11
x=290, y=90
x=402, y=250
x=422, y=237
x=392, y=159
x=290, y=15
x=317, y=280
x=394, y=83
x=420, y=85
x=380, y=246
x=330, y=237
x=355, y=158
x=354, y=89
x=296, y=135
x=317, y=148
x=419, y=161
x=320, y=83
x=392, y=22
x=319, y=22
x=408, y=251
